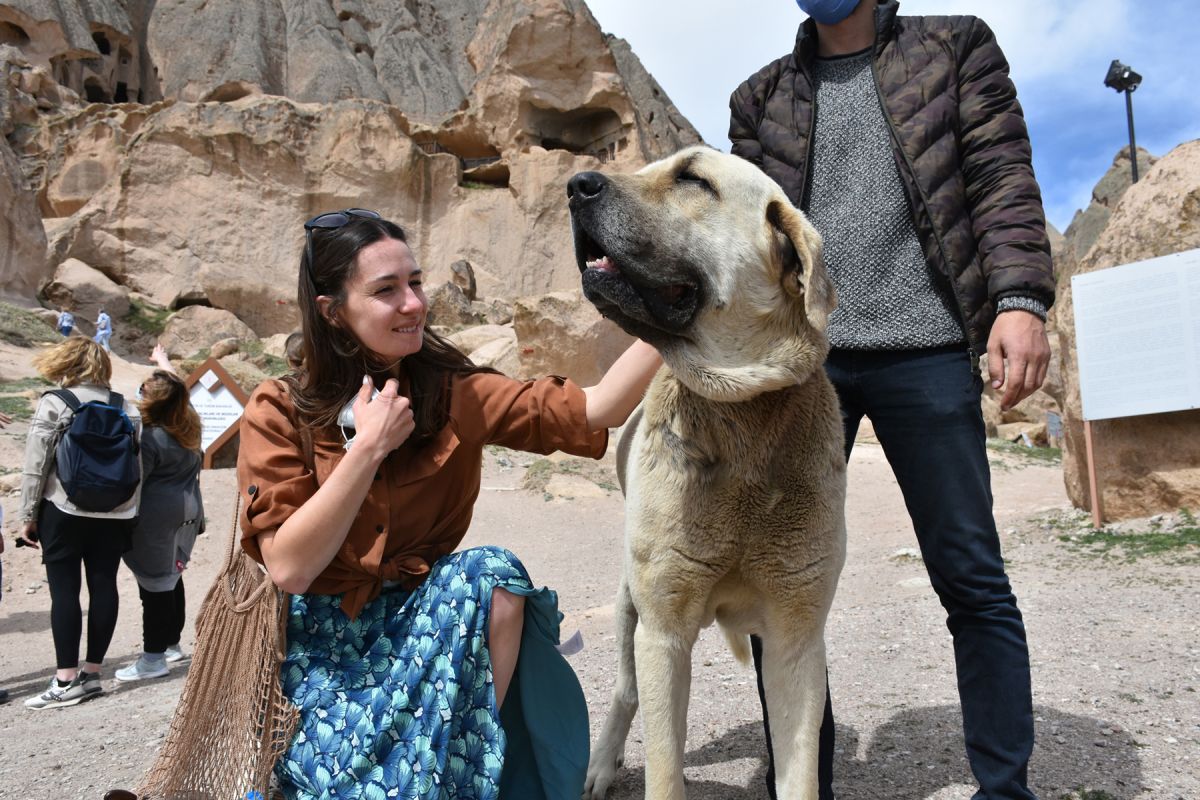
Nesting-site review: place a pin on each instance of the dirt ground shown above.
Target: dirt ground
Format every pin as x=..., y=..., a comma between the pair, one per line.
x=1116, y=655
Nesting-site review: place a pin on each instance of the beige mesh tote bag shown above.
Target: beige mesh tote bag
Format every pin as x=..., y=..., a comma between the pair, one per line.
x=232, y=722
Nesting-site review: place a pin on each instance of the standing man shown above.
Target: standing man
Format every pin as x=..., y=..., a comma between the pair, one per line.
x=103, y=330
x=66, y=322
x=902, y=139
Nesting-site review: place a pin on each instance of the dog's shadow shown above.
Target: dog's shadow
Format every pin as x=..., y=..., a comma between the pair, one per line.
x=918, y=752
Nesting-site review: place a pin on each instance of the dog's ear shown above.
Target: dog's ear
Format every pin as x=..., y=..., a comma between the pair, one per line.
x=803, y=269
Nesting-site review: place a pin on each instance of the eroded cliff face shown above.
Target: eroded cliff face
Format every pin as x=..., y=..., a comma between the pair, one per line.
x=528, y=72
x=177, y=146
x=203, y=203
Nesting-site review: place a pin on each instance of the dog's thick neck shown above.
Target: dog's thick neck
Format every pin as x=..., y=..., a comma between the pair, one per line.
x=767, y=365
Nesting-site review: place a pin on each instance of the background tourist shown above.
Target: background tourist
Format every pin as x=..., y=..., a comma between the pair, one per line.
x=170, y=517
x=70, y=537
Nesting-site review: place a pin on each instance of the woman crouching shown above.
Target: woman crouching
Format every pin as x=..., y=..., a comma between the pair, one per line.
x=402, y=653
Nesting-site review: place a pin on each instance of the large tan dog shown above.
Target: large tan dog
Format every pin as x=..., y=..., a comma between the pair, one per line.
x=733, y=472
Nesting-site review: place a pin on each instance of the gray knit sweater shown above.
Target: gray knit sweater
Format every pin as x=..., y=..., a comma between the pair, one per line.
x=888, y=296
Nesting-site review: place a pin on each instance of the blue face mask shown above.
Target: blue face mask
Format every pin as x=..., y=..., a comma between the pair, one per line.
x=828, y=12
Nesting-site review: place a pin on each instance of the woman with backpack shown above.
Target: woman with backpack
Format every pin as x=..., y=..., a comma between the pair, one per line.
x=170, y=517
x=79, y=522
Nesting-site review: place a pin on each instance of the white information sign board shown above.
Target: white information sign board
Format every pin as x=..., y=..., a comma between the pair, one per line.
x=218, y=410
x=1137, y=333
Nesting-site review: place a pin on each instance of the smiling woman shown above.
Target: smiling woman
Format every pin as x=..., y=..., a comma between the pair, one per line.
x=411, y=646
x=385, y=306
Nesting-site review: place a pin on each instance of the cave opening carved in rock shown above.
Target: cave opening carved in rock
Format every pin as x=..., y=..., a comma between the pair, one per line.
x=102, y=43
x=13, y=34
x=94, y=91
x=595, y=132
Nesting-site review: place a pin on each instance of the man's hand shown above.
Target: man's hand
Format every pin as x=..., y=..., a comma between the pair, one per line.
x=1018, y=355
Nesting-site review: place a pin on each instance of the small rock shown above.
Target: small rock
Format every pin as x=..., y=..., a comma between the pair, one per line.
x=906, y=554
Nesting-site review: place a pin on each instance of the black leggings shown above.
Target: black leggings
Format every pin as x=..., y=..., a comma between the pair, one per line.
x=66, y=615
x=163, y=615
x=95, y=544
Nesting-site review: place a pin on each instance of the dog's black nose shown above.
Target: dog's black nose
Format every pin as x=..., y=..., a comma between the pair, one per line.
x=586, y=186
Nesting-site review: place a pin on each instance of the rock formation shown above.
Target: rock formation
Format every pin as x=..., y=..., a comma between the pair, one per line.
x=1087, y=224
x=175, y=147
x=23, y=91
x=1147, y=463
x=561, y=334
x=22, y=239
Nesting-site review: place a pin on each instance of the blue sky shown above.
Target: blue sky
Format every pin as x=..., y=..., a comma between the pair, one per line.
x=1059, y=51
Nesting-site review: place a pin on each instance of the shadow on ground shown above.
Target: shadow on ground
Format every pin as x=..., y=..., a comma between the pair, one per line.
x=26, y=622
x=34, y=683
x=919, y=752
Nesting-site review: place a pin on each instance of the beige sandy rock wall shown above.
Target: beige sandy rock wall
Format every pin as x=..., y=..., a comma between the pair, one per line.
x=24, y=89
x=462, y=120
x=514, y=73
x=190, y=203
x=1147, y=463
x=93, y=47
x=23, y=265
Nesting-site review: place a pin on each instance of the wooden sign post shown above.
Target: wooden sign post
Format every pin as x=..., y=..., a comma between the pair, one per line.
x=219, y=401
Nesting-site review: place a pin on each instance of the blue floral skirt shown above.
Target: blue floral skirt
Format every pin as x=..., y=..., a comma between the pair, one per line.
x=399, y=702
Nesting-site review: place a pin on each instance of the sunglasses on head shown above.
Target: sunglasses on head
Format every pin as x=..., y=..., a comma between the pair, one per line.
x=331, y=220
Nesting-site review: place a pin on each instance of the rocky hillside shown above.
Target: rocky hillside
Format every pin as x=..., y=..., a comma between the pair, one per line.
x=167, y=152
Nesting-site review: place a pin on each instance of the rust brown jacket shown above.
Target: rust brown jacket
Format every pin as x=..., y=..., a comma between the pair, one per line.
x=420, y=505
x=959, y=139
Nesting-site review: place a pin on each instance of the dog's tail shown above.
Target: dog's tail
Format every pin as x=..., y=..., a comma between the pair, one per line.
x=739, y=645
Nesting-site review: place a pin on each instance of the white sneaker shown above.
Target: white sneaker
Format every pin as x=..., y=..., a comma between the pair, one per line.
x=57, y=696
x=174, y=653
x=90, y=681
x=141, y=670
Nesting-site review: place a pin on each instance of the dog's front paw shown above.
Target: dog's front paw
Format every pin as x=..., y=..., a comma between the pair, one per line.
x=602, y=770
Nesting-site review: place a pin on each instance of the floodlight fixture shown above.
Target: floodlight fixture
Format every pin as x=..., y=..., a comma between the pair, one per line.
x=1122, y=78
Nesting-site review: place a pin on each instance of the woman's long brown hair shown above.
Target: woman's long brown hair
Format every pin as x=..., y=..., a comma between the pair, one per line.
x=165, y=404
x=335, y=361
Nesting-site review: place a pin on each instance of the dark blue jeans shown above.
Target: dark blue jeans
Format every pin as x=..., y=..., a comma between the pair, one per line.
x=924, y=406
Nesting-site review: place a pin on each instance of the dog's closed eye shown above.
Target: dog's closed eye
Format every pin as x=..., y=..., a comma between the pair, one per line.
x=687, y=177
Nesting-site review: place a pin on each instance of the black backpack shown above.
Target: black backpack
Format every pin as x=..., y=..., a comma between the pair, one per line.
x=97, y=455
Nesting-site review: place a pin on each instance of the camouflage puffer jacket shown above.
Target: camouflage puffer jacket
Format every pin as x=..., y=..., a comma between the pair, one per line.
x=959, y=139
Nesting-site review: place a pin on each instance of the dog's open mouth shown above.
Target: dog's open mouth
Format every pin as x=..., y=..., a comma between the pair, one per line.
x=627, y=294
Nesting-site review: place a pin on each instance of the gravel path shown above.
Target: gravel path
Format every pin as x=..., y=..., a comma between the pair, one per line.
x=1114, y=649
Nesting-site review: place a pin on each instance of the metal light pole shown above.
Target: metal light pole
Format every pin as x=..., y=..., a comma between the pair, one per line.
x=1123, y=79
